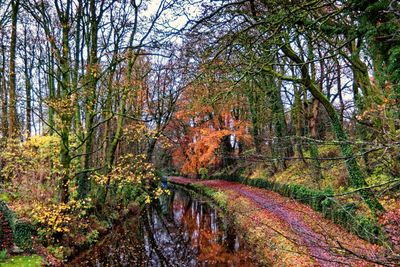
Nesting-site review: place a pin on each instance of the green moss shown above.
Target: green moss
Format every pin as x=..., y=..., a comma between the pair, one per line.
x=377, y=178
x=5, y=197
x=22, y=261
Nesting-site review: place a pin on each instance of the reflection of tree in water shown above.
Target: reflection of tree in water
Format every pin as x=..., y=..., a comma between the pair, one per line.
x=187, y=232
x=178, y=231
x=165, y=242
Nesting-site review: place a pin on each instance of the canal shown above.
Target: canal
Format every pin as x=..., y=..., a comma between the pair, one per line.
x=181, y=229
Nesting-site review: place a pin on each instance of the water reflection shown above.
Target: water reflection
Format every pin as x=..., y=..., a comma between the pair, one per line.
x=186, y=231
x=180, y=230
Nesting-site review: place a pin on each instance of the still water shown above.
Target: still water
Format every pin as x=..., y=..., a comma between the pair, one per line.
x=182, y=229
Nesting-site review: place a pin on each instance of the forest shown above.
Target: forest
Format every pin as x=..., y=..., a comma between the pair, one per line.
x=199, y=133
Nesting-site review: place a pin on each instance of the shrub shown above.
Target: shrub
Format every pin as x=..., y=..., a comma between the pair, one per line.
x=55, y=220
x=23, y=235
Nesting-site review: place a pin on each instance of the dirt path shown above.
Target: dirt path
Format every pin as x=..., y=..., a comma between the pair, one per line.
x=328, y=244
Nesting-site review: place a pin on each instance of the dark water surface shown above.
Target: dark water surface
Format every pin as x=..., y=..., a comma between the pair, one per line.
x=181, y=230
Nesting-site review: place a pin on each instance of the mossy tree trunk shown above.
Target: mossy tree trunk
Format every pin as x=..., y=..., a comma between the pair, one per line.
x=297, y=115
x=112, y=146
x=66, y=109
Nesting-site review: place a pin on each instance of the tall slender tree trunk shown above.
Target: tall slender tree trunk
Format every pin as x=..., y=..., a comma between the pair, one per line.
x=297, y=115
x=75, y=75
x=3, y=95
x=13, y=131
x=110, y=156
x=66, y=116
x=252, y=98
x=112, y=147
x=340, y=90
x=52, y=89
x=28, y=108
x=90, y=101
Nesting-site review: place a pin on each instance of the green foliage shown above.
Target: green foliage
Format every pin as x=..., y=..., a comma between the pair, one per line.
x=203, y=173
x=220, y=198
x=129, y=193
x=380, y=26
x=92, y=237
x=394, y=70
x=3, y=254
x=83, y=184
x=377, y=178
x=23, y=235
x=4, y=197
x=57, y=251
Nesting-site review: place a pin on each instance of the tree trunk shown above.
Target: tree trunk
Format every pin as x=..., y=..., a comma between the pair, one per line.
x=13, y=117
x=298, y=121
x=52, y=88
x=90, y=105
x=66, y=116
x=283, y=148
x=316, y=164
x=3, y=95
x=252, y=97
x=28, y=108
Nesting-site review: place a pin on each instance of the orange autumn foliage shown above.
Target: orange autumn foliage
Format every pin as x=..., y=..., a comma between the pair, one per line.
x=199, y=127
x=201, y=153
